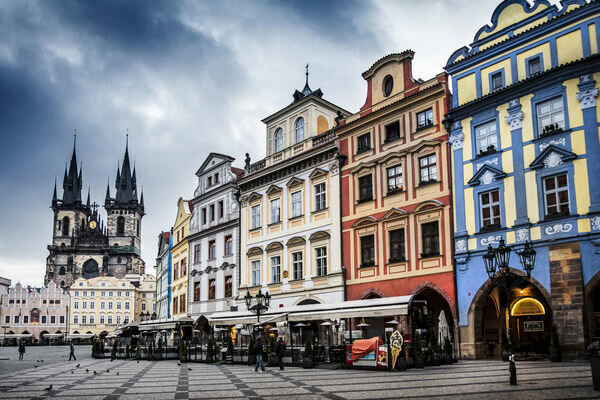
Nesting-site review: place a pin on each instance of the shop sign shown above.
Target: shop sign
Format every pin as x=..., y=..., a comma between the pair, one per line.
x=533, y=326
x=382, y=356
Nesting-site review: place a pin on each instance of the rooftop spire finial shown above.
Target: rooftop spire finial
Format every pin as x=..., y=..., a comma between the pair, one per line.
x=307, y=74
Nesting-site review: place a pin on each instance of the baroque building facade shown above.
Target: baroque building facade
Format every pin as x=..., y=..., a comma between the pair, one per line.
x=82, y=245
x=525, y=150
x=163, y=276
x=396, y=193
x=214, y=238
x=180, y=258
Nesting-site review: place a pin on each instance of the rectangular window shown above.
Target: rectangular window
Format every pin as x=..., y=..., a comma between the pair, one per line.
x=196, y=291
x=119, y=293
x=486, y=138
x=84, y=319
x=118, y=320
x=496, y=81
x=103, y=293
x=212, y=212
x=127, y=305
x=176, y=271
x=392, y=131
x=228, y=286
x=75, y=319
x=321, y=260
x=296, y=204
x=255, y=216
x=118, y=305
x=84, y=305
x=363, y=143
x=397, y=249
x=212, y=287
x=92, y=319
x=76, y=305
x=425, y=119
x=126, y=319
x=255, y=273
x=62, y=319
x=196, y=254
x=228, y=245
x=109, y=319
x=101, y=318
x=92, y=305
x=534, y=66
x=110, y=294
x=320, y=197
x=367, y=250
x=127, y=293
x=182, y=303
x=394, y=177
x=85, y=293
x=550, y=116
x=212, y=250
x=203, y=216
x=275, y=210
x=490, y=209
x=365, y=188
x=216, y=178
x=183, y=267
x=276, y=269
x=44, y=319
x=7, y=319
x=175, y=305
x=92, y=294
x=221, y=209
x=16, y=319
x=556, y=195
x=428, y=169
x=210, y=181
x=297, y=265
x=110, y=305
x=431, y=239
x=102, y=305
x=25, y=319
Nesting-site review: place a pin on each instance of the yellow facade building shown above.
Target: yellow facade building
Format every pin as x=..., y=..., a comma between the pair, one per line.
x=179, y=287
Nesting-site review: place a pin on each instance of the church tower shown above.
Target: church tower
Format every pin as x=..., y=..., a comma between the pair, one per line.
x=124, y=221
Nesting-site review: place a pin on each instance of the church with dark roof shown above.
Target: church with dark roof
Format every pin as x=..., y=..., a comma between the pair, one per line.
x=83, y=245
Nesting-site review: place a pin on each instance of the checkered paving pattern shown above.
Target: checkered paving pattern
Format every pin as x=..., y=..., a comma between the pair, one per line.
x=122, y=380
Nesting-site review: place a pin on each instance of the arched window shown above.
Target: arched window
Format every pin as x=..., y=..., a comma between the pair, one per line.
x=299, y=126
x=65, y=226
x=120, y=225
x=278, y=140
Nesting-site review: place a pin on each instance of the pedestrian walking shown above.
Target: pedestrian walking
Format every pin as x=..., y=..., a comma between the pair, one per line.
x=280, y=351
x=72, y=353
x=21, y=350
x=258, y=350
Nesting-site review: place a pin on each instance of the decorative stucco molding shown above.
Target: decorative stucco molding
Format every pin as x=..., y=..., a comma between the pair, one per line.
x=514, y=120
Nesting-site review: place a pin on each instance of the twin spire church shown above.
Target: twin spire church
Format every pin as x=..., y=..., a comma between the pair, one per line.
x=83, y=245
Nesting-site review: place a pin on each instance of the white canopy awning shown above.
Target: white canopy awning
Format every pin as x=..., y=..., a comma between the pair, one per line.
x=52, y=335
x=80, y=335
x=15, y=335
x=157, y=326
x=383, y=307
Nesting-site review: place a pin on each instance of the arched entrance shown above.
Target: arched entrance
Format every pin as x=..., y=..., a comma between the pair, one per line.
x=488, y=321
x=432, y=313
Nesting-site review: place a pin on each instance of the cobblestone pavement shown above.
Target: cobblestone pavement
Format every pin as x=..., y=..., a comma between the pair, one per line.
x=121, y=380
x=9, y=356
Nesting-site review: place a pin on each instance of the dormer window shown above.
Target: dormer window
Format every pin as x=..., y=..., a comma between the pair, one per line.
x=299, y=128
x=278, y=140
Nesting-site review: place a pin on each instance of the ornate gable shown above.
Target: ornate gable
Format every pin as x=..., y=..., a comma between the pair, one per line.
x=274, y=246
x=364, y=221
x=273, y=189
x=254, y=251
x=253, y=196
x=425, y=144
x=394, y=213
x=361, y=166
x=295, y=241
x=319, y=235
x=552, y=156
x=294, y=182
x=317, y=173
x=486, y=175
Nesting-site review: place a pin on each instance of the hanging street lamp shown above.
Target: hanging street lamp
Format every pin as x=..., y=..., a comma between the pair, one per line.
x=496, y=262
x=262, y=303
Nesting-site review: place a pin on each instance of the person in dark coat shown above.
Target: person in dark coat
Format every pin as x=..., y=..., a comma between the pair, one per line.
x=72, y=353
x=280, y=351
x=258, y=350
x=21, y=350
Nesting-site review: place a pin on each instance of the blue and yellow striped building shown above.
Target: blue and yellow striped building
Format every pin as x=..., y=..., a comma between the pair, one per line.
x=525, y=143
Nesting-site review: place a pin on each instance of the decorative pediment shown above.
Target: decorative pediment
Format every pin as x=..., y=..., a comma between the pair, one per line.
x=254, y=251
x=273, y=246
x=428, y=205
x=318, y=172
x=393, y=156
x=319, y=235
x=254, y=196
x=394, y=213
x=486, y=175
x=425, y=144
x=295, y=182
x=364, y=221
x=273, y=189
x=295, y=241
x=552, y=156
x=361, y=166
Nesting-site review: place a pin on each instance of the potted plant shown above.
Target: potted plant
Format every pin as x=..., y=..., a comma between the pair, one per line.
x=210, y=352
x=158, y=354
x=113, y=353
x=447, y=351
x=307, y=356
x=593, y=352
x=555, y=350
x=418, y=351
x=127, y=352
x=504, y=346
x=229, y=356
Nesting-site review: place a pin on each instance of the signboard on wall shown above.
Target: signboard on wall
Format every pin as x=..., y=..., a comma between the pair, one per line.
x=533, y=326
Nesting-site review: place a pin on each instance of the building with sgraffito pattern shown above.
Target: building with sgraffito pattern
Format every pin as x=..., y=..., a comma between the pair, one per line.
x=525, y=150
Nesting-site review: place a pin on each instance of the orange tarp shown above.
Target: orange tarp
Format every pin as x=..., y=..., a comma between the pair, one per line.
x=362, y=347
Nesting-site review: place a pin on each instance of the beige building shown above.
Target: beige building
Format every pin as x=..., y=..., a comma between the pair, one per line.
x=181, y=231
x=34, y=314
x=100, y=305
x=145, y=296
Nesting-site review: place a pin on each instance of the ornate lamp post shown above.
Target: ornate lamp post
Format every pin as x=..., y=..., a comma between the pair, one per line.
x=262, y=303
x=497, y=267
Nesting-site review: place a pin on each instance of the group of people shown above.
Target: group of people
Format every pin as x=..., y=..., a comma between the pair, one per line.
x=71, y=349
x=259, y=350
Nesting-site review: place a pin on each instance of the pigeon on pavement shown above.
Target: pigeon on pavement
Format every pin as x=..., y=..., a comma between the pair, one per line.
x=189, y=369
x=117, y=373
x=87, y=370
x=48, y=388
x=94, y=372
x=77, y=365
x=72, y=372
x=179, y=364
x=35, y=366
x=107, y=370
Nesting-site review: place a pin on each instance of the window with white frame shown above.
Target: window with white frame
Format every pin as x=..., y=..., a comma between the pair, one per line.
x=110, y=305
x=109, y=319
x=485, y=137
x=556, y=195
x=296, y=204
x=297, y=265
x=84, y=304
x=320, y=197
x=275, y=210
x=278, y=140
x=367, y=250
x=118, y=305
x=490, y=209
x=255, y=273
x=394, y=178
x=127, y=305
x=118, y=320
x=428, y=168
x=102, y=305
x=75, y=318
x=76, y=305
x=497, y=81
x=256, y=216
x=534, y=66
x=7, y=319
x=25, y=319
x=102, y=319
x=275, y=269
x=92, y=305
x=126, y=319
x=425, y=119
x=84, y=319
x=92, y=319
x=550, y=116
x=321, y=260
x=299, y=128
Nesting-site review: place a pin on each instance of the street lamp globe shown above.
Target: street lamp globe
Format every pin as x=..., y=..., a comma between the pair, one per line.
x=503, y=255
x=527, y=257
x=248, y=299
x=489, y=259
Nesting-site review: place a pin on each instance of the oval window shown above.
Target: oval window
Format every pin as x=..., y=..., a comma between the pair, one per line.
x=388, y=85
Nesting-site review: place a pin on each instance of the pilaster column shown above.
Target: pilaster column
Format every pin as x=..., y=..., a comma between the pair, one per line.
x=456, y=140
x=515, y=121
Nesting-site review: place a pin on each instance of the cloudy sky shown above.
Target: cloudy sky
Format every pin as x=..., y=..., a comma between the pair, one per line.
x=185, y=78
